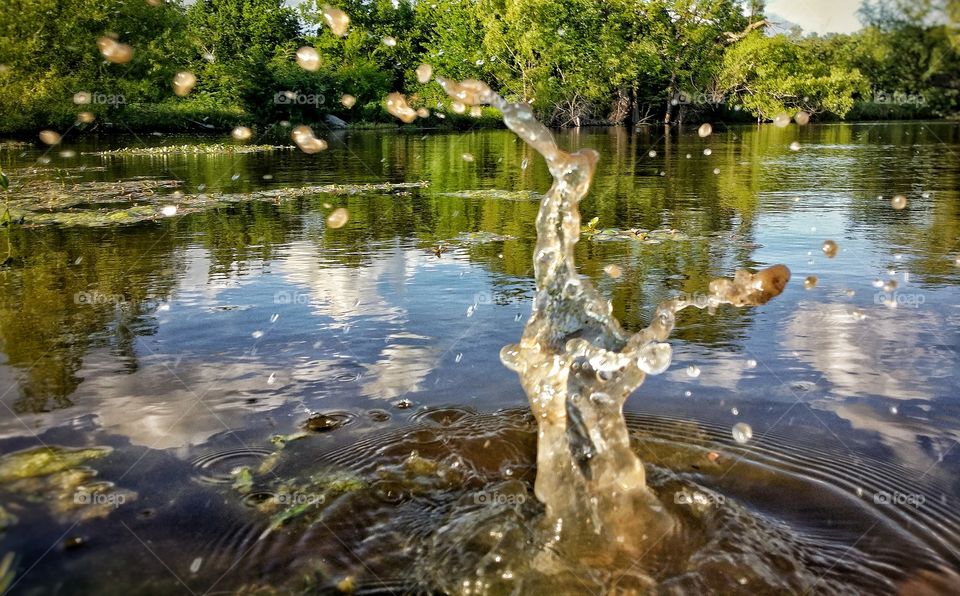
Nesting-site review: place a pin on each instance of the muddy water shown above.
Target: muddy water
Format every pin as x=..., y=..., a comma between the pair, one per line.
x=186, y=344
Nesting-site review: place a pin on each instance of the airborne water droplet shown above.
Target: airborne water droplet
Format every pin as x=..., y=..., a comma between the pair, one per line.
x=337, y=20
x=241, y=133
x=781, y=120
x=898, y=202
x=308, y=59
x=705, y=130
x=795, y=146
x=810, y=282
x=459, y=357
x=693, y=371
x=183, y=83
x=751, y=363
x=424, y=73
x=708, y=151
x=468, y=157
x=742, y=432
x=338, y=218
x=348, y=100
x=830, y=248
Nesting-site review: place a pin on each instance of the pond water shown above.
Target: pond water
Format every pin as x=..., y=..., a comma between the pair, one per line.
x=252, y=400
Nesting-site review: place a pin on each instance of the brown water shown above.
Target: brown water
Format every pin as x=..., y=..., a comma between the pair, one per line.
x=173, y=356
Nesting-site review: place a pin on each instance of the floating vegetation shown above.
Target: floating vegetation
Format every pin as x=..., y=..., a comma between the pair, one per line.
x=211, y=149
x=635, y=234
x=479, y=238
x=56, y=476
x=42, y=201
x=42, y=461
x=500, y=195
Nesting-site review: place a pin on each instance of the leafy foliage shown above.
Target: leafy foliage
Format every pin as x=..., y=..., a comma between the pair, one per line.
x=575, y=61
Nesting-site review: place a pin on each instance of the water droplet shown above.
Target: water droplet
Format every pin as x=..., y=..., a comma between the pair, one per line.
x=241, y=133
x=459, y=357
x=735, y=411
x=859, y=492
x=742, y=432
x=338, y=218
x=705, y=130
x=708, y=151
x=337, y=20
x=403, y=404
x=810, y=282
x=183, y=83
x=274, y=317
x=303, y=137
x=389, y=41
x=693, y=371
x=688, y=393
x=716, y=171
x=802, y=118
x=795, y=146
x=424, y=73
x=524, y=164
x=49, y=137
x=751, y=363
x=468, y=157
x=169, y=210
x=781, y=120
x=272, y=379
x=518, y=317
x=894, y=410
x=308, y=59
x=613, y=271
x=898, y=202
x=652, y=153
x=890, y=286
x=195, y=565
x=86, y=117
x=470, y=310
x=348, y=100
x=257, y=334
x=82, y=97
x=396, y=104
x=830, y=248
x=114, y=51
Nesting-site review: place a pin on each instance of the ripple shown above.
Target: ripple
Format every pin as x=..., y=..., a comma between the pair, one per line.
x=219, y=467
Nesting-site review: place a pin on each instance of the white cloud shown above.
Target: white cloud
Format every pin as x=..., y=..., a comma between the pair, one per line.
x=818, y=16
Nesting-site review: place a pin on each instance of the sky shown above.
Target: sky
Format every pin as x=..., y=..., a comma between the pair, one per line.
x=818, y=16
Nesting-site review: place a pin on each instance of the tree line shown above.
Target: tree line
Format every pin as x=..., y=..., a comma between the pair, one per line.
x=576, y=61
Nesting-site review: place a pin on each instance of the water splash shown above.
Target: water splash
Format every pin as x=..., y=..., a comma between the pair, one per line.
x=578, y=365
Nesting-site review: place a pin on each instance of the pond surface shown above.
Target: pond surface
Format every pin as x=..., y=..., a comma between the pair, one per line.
x=186, y=354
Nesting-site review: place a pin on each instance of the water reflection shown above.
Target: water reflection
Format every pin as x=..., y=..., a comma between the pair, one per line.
x=229, y=326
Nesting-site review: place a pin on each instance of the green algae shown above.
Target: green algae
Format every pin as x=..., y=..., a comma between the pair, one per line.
x=205, y=149
x=43, y=461
x=93, y=204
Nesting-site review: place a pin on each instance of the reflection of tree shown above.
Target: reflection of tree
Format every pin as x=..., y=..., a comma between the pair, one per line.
x=81, y=289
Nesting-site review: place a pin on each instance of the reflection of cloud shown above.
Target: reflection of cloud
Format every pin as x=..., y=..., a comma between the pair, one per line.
x=156, y=405
x=375, y=290
x=345, y=292
x=401, y=368
x=882, y=355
